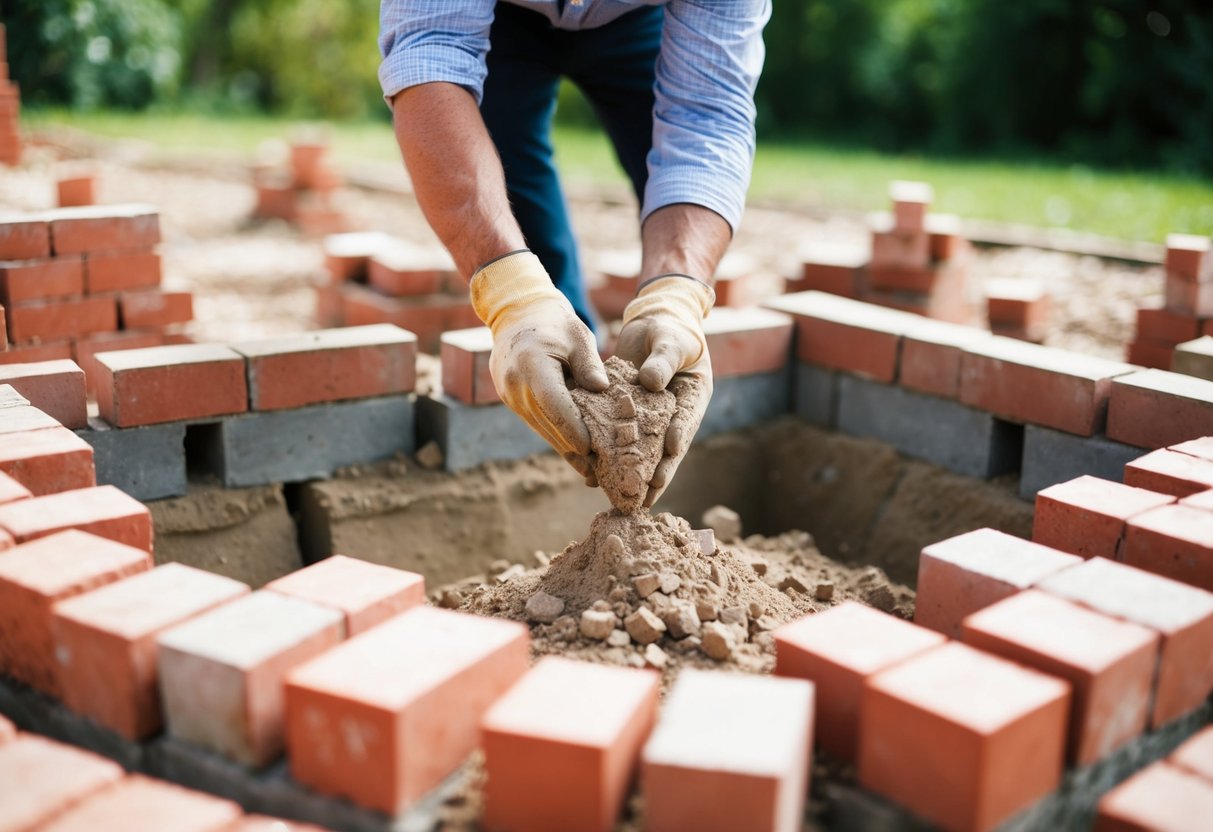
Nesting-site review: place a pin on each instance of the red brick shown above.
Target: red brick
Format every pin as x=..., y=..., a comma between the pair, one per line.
x=122, y=271
x=1038, y=385
x=306, y=158
x=328, y=301
x=26, y=280
x=1146, y=352
x=1154, y=409
x=315, y=217
x=919, y=280
x=969, y=572
x=465, y=366
x=1168, y=327
x=1170, y=472
x=346, y=256
x=427, y=317
x=1109, y=663
x=1182, y=615
x=1175, y=541
x=85, y=350
x=1194, y=358
x=963, y=738
x=366, y=593
x=1190, y=258
x=276, y=200
x=947, y=300
x=221, y=673
x=330, y=365
x=402, y=270
x=34, y=353
x=412, y=692
x=748, y=341
x=1196, y=755
x=76, y=191
x=930, y=356
x=900, y=250
x=844, y=334
x=947, y=242
x=1018, y=304
x=49, y=320
x=103, y=510
x=40, y=779
x=1201, y=448
x=11, y=490
x=24, y=238
x=54, y=387
x=1187, y=298
x=34, y=576
x=140, y=804
x=155, y=309
x=1086, y=516
x=11, y=398
x=838, y=651
x=832, y=269
x=21, y=418
x=47, y=461
x=910, y=203
x=103, y=228
x=562, y=745
x=1157, y=798
x=106, y=642
x=168, y=384
x=748, y=770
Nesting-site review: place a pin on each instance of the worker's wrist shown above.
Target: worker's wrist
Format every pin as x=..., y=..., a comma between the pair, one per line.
x=685, y=297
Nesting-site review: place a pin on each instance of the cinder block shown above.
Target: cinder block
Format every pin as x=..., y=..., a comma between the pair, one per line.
x=155, y=309
x=410, y=693
x=106, y=642
x=308, y=442
x=148, y=463
x=38, y=574
x=1182, y=615
x=1154, y=409
x=472, y=435
x=741, y=401
x=1170, y=472
x=941, y=431
x=49, y=279
x=1159, y=797
x=103, y=228
x=40, y=779
x=1086, y=516
x=366, y=593
x=168, y=384
x=121, y=271
x=102, y=510
x=562, y=746
x=48, y=320
x=1109, y=663
x=749, y=771
x=961, y=738
x=969, y=572
x=1174, y=541
x=221, y=673
x=815, y=395
x=1053, y=456
x=330, y=365
x=140, y=804
x=838, y=650
x=54, y=387
x=47, y=461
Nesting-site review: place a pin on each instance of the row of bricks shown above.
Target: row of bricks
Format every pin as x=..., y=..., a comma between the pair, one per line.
x=308, y=167
x=1187, y=306
x=1013, y=380
x=1176, y=793
x=83, y=350
x=34, y=322
x=65, y=276
x=73, y=231
x=46, y=786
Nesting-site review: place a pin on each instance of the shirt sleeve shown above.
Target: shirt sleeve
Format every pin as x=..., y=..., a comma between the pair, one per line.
x=423, y=41
x=703, y=119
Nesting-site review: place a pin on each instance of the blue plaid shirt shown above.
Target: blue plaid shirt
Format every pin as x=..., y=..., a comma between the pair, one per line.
x=703, y=119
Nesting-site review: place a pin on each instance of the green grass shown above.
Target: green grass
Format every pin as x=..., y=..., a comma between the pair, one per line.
x=1137, y=206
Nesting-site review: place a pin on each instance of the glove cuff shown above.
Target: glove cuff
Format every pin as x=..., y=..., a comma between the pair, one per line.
x=689, y=300
x=509, y=282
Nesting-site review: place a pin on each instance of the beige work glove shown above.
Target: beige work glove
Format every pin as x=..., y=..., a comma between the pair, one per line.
x=537, y=338
x=663, y=335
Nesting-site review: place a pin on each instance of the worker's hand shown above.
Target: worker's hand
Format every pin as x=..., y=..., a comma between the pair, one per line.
x=537, y=339
x=663, y=336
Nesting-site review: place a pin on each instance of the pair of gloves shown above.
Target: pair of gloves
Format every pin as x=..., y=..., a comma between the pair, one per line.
x=536, y=336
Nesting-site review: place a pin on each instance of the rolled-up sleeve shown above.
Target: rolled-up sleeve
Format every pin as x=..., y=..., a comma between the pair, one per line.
x=703, y=120
x=423, y=41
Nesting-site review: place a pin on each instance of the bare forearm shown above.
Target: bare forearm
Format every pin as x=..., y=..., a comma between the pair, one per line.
x=683, y=239
x=456, y=173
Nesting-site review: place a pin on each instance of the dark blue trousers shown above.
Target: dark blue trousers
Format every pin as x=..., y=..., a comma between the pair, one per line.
x=614, y=68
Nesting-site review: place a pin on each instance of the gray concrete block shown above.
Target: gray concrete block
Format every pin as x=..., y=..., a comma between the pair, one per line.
x=307, y=443
x=1052, y=456
x=470, y=435
x=741, y=401
x=815, y=395
x=941, y=431
x=147, y=463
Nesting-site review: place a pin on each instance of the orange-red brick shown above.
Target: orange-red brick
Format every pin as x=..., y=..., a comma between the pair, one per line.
x=1175, y=541
x=366, y=593
x=1086, y=516
x=1159, y=797
x=140, y=804
x=54, y=387
x=103, y=228
x=27, y=280
x=53, y=319
x=167, y=384
x=47, y=461
x=155, y=309
x=103, y=510
x=122, y=271
x=465, y=357
x=1169, y=472
x=24, y=238
x=1154, y=409
x=40, y=779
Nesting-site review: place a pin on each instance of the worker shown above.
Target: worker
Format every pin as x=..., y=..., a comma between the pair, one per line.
x=472, y=86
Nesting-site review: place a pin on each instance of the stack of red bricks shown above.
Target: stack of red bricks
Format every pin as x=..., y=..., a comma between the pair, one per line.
x=919, y=261
x=302, y=191
x=78, y=281
x=1187, y=312
x=10, y=109
x=372, y=278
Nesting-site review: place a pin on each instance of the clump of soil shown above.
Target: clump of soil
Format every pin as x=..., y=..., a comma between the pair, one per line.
x=627, y=425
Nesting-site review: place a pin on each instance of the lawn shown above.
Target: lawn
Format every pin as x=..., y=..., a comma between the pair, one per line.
x=1140, y=206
